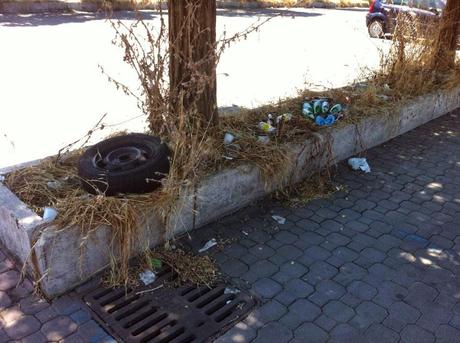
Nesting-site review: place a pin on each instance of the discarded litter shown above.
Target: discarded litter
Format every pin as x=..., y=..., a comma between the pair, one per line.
x=228, y=138
x=359, y=164
x=317, y=107
x=49, y=214
x=279, y=219
x=230, y=290
x=336, y=109
x=147, y=277
x=209, y=244
x=284, y=118
x=267, y=127
x=270, y=118
x=383, y=97
x=328, y=121
x=2, y=178
x=54, y=184
x=245, y=233
x=307, y=110
x=263, y=139
x=322, y=111
x=156, y=263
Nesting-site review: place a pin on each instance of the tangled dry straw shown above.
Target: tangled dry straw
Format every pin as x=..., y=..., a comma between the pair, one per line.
x=189, y=268
x=317, y=186
x=410, y=68
x=55, y=183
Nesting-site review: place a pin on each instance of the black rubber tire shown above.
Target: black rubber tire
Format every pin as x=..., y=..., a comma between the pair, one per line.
x=139, y=175
x=373, y=31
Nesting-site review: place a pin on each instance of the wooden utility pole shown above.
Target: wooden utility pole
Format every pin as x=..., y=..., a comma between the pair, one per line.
x=192, y=39
x=446, y=44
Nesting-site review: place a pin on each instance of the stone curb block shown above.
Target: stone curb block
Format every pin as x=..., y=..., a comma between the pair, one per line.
x=63, y=264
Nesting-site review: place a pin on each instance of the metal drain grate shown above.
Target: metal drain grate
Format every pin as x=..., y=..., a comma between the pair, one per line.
x=167, y=315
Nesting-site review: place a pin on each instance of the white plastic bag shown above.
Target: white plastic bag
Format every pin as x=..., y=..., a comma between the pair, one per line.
x=280, y=220
x=359, y=164
x=49, y=214
x=147, y=277
x=209, y=244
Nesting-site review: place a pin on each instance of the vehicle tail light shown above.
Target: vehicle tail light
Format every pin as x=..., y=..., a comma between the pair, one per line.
x=371, y=8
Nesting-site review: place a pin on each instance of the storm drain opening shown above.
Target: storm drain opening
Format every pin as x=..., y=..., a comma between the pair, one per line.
x=188, y=314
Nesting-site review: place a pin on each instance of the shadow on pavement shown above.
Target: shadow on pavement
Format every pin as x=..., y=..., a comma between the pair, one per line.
x=52, y=19
x=266, y=12
x=354, y=9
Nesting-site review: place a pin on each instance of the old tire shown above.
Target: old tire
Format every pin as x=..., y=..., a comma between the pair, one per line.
x=133, y=163
x=376, y=29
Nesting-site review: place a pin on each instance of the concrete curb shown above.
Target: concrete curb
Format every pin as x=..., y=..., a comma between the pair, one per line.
x=44, y=6
x=62, y=264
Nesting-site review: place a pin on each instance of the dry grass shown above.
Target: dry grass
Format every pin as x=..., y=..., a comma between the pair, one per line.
x=122, y=215
x=55, y=183
x=186, y=268
x=189, y=268
x=31, y=184
x=408, y=70
x=318, y=186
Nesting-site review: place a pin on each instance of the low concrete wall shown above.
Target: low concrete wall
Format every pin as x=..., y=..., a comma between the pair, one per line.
x=62, y=263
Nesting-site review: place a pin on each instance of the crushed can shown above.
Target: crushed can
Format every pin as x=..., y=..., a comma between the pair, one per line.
x=336, y=109
x=266, y=127
x=329, y=120
x=319, y=120
x=284, y=118
x=307, y=110
x=317, y=106
x=263, y=139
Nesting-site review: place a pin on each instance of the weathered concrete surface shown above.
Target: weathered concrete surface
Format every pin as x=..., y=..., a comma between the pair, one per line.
x=66, y=258
x=17, y=224
x=62, y=261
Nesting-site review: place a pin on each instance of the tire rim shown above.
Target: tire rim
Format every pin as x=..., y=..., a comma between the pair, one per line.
x=376, y=29
x=123, y=158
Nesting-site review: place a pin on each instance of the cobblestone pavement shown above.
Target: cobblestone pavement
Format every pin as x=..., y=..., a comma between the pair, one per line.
x=24, y=317
x=379, y=262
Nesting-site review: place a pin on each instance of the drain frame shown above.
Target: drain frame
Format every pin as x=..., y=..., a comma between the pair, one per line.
x=163, y=314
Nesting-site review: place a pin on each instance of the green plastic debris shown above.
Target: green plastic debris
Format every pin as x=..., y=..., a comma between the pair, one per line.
x=156, y=263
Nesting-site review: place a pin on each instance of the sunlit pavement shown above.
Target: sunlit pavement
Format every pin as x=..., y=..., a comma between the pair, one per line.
x=379, y=262
x=52, y=91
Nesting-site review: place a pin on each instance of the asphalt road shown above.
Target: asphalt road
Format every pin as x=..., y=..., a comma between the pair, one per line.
x=52, y=91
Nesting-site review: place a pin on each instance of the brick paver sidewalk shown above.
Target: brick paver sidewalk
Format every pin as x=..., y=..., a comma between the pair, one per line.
x=378, y=263
x=26, y=318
